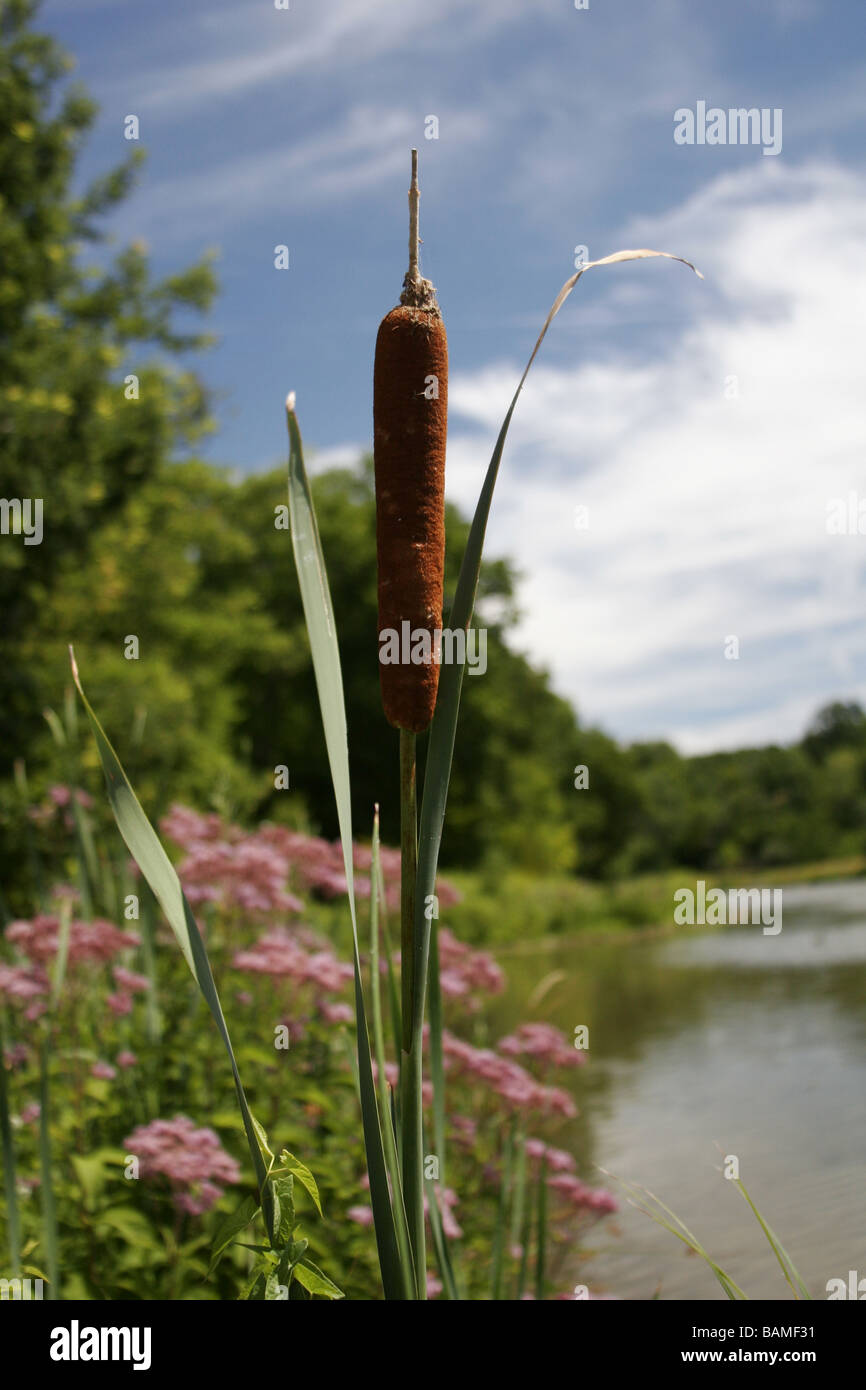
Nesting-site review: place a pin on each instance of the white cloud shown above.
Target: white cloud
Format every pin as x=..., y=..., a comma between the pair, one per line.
x=707, y=514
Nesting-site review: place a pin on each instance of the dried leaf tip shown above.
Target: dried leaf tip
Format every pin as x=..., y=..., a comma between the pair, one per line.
x=290, y=401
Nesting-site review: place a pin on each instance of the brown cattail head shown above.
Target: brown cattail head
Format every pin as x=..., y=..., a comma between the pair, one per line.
x=410, y=405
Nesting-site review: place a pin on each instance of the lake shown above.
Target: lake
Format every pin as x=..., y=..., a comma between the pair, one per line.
x=714, y=1042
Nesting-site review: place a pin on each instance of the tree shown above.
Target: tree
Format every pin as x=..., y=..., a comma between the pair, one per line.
x=87, y=410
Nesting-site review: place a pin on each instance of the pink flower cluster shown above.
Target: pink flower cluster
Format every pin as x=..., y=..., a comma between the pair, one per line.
x=22, y=981
x=508, y=1079
x=279, y=953
x=464, y=973
x=544, y=1043
x=193, y=1160
x=560, y=1167
x=579, y=1196
x=128, y=984
x=59, y=798
x=228, y=866
x=98, y=940
x=557, y=1160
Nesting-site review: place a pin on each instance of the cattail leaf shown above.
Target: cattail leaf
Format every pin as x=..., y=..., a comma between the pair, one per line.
x=397, y=1280
x=144, y=845
x=440, y=751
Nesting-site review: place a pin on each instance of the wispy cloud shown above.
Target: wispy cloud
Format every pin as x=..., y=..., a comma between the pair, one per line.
x=706, y=473
x=274, y=45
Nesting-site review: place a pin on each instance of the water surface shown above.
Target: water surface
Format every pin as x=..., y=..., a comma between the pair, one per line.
x=708, y=1043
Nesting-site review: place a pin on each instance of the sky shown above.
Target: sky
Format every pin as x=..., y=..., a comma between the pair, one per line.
x=681, y=485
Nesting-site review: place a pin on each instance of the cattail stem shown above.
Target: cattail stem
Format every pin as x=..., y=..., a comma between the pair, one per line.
x=414, y=203
x=408, y=871
x=411, y=1070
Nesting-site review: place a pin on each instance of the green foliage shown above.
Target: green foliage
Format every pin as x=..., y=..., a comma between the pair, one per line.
x=73, y=328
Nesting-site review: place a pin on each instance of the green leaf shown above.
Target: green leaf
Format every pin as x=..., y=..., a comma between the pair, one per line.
x=440, y=748
x=143, y=844
x=230, y=1227
x=90, y=1169
x=283, y=1189
x=397, y=1279
x=303, y=1175
x=315, y=1282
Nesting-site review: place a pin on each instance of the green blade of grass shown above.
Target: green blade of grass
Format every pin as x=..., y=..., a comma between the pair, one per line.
x=441, y=1247
x=437, y=1060
x=671, y=1222
x=496, y=1268
x=393, y=992
x=541, y=1234
x=13, y=1218
x=397, y=1279
x=392, y=1161
x=788, y=1268
x=49, y=1204
x=144, y=845
x=440, y=751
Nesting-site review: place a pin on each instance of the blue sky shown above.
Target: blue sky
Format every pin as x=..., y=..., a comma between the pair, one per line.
x=705, y=427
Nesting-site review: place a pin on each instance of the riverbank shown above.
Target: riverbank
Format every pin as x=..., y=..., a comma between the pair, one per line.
x=516, y=907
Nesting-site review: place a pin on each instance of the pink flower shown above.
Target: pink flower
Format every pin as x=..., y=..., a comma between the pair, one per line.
x=337, y=1013
x=22, y=981
x=120, y=1003
x=543, y=1042
x=31, y=1113
x=279, y=953
x=508, y=1079
x=98, y=940
x=129, y=980
x=434, y=1285
x=446, y=1199
x=557, y=1160
x=193, y=1160
x=363, y=1215
x=126, y=1059
x=578, y=1195
x=103, y=1070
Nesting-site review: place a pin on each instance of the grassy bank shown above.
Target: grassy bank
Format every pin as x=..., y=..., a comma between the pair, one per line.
x=515, y=906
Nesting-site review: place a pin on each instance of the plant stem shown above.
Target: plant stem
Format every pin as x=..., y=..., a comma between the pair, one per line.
x=411, y=1070
x=13, y=1222
x=408, y=870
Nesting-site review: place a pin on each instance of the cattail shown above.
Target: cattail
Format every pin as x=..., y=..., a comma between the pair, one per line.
x=410, y=403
